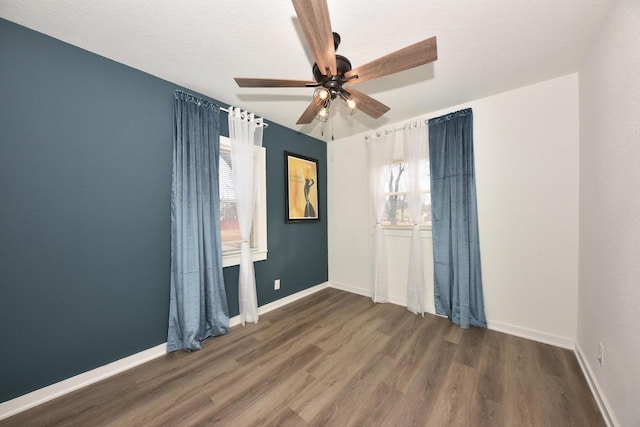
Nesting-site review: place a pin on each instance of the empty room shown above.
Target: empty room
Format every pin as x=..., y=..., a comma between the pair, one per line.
x=311, y=212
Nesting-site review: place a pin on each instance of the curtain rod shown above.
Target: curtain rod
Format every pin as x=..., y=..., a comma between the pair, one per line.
x=464, y=111
x=193, y=97
x=426, y=122
x=264, y=124
x=379, y=132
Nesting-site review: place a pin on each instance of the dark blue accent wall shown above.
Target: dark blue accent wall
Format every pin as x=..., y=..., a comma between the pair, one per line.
x=85, y=177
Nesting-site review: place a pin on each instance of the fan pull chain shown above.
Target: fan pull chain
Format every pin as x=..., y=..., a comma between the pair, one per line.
x=332, y=138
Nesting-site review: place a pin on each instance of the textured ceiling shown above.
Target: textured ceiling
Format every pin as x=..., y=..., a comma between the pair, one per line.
x=484, y=47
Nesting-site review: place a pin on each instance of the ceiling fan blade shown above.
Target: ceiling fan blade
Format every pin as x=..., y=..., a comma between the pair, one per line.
x=309, y=114
x=409, y=57
x=250, y=82
x=367, y=104
x=316, y=24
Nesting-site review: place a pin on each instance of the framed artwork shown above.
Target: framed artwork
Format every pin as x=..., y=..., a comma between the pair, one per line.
x=301, y=183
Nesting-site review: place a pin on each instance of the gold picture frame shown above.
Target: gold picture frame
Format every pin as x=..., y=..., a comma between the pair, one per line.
x=302, y=193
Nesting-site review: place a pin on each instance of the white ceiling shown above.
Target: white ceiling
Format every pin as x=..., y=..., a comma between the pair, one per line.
x=484, y=47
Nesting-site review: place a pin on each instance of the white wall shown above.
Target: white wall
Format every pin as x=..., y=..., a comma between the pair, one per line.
x=609, y=295
x=526, y=147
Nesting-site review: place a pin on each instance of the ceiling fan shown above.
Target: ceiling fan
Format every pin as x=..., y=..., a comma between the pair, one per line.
x=334, y=77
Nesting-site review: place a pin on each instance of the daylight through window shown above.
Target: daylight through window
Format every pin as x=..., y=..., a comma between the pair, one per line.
x=396, y=213
x=229, y=226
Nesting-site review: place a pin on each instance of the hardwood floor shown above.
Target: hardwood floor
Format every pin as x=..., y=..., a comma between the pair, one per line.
x=335, y=358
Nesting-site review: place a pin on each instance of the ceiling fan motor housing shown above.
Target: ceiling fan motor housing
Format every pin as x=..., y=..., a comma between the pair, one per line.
x=333, y=83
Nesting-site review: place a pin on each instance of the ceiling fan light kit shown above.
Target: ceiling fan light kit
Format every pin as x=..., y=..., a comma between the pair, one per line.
x=331, y=71
x=321, y=95
x=350, y=104
x=323, y=114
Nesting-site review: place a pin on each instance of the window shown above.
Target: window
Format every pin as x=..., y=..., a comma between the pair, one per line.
x=229, y=228
x=396, y=213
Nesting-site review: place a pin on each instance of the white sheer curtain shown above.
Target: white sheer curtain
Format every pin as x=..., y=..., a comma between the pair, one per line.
x=379, y=147
x=416, y=147
x=245, y=132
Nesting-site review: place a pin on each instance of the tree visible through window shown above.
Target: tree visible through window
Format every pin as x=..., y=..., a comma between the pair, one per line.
x=396, y=212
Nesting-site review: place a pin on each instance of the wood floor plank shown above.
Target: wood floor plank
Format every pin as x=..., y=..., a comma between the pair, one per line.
x=416, y=408
x=427, y=333
x=335, y=358
x=254, y=389
x=173, y=395
x=452, y=405
x=353, y=398
x=454, y=335
x=75, y=408
x=519, y=384
x=365, y=314
x=315, y=327
x=382, y=403
x=187, y=413
x=407, y=326
x=560, y=396
x=286, y=418
x=273, y=408
x=491, y=367
x=320, y=301
x=549, y=360
x=394, y=315
x=470, y=346
x=485, y=412
x=575, y=387
x=333, y=376
x=431, y=338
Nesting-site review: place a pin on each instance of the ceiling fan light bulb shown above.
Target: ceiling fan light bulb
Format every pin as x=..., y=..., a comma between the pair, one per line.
x=351, y=105
x=323, y=114
x=321, y=95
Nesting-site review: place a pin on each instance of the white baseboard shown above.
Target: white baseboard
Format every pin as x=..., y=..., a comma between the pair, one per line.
x=352, y=289
x=37, y=397
x=235, y=321
x=601, y=399
x=398, y=301
x=531, y=334
x=365, y=292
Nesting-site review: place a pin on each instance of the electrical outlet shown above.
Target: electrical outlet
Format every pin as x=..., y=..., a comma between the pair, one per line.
x=276, y=284
x=600, y=353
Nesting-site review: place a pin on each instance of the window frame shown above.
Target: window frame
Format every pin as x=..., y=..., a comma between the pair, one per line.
x=390, y=228
x=259, y=247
